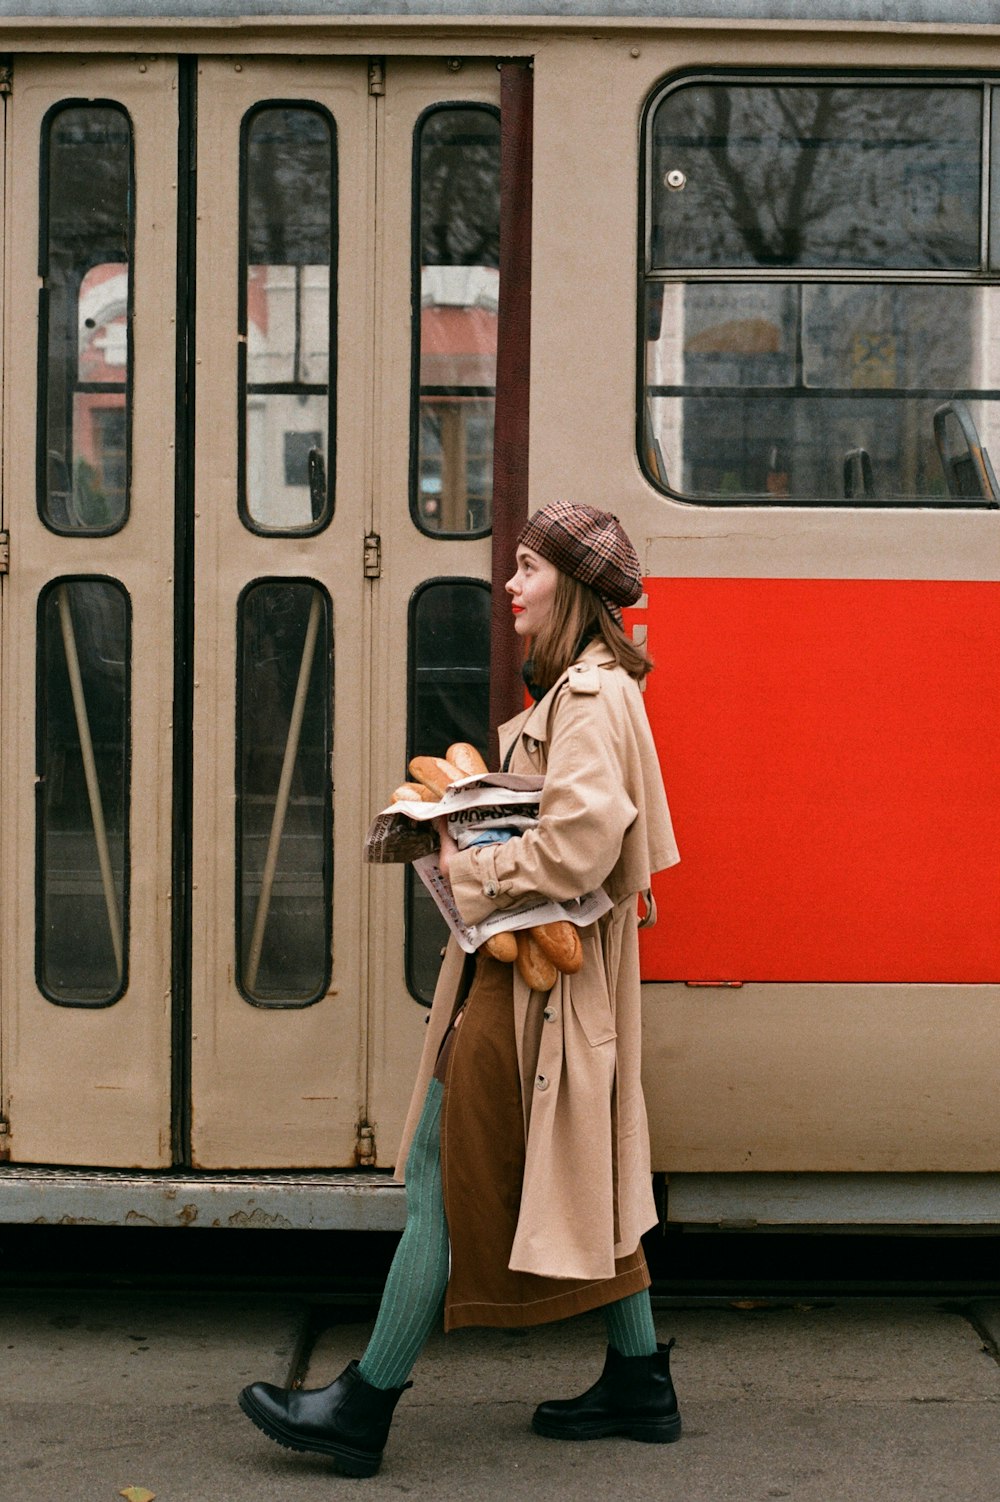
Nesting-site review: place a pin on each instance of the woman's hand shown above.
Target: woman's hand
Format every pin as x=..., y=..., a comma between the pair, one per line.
x=448, y=846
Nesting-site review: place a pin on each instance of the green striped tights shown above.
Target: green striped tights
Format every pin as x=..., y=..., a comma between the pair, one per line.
x=413, y=1301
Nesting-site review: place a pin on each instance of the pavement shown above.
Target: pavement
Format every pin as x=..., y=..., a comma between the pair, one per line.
x=852, y=1400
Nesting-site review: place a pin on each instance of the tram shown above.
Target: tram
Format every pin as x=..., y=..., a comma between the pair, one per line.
x=303, y=306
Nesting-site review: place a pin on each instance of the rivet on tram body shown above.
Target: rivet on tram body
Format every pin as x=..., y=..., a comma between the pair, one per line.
x=142, y=68
x=675, y=180
x=238, y=68
x=454, y=64
x=635, y=52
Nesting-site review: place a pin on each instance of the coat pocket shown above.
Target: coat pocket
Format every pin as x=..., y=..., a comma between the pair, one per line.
x=592, y=1009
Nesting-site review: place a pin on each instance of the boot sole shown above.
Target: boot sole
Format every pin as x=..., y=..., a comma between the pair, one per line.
x=347, y=1462
x=649, y=1431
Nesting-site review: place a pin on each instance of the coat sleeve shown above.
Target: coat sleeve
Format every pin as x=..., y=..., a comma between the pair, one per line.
x=583, y=816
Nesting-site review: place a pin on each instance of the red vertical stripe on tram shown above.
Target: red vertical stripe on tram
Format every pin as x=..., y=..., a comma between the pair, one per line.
x=831, y=750
x=510, y=440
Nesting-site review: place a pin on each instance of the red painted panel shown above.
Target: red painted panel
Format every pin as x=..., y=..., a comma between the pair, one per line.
x=831, y=752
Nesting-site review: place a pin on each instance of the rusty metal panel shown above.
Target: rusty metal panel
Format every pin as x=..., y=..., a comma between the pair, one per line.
x=322, y=1202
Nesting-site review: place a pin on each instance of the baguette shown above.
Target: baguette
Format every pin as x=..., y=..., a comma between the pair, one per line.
x=467, y=759
x=537, y=971
x=503, y=947
x=560, y=943
x=433, y=773
x=411, y=792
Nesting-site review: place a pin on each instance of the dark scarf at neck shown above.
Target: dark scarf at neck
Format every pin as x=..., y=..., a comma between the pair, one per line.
x=527, y=667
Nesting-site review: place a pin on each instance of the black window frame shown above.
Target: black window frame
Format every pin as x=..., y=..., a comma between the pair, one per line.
x=987, y=274
x=41, y=723
x=326, y=647
x=243, y=388
x=484, y=393
x=42, y=379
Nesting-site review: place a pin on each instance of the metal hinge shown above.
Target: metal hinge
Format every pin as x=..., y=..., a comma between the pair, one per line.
x=364, y=1149
x=376, y=75
x=4, y=551
x=373, y=556
x=6, y=76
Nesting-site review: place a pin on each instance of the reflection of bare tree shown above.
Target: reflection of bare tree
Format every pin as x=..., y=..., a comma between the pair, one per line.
x=460, y=188
x=290, y=174
x=88, y=186
x=801, y=175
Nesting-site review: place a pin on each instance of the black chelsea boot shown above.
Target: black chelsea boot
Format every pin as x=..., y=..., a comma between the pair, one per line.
x=633, y=1396
x=349, y=1420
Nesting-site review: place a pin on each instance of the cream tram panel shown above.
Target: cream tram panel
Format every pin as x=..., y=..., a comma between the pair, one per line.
x=277, y=1084
x=772, y=1076
x=86, y=1083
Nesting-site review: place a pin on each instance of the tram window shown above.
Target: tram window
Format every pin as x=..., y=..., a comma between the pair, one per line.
x=448, y=700
x=284, y=809
x=82, y=807
x=85, y=317
x=287, y=318
x=456, y=259
x=817, y=286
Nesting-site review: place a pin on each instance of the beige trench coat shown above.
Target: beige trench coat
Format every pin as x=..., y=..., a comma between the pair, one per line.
x=586, y=1196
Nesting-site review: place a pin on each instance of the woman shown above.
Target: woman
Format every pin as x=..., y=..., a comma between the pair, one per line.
x=526, y=1146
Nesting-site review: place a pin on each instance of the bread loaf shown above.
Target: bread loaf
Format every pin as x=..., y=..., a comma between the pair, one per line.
x=503, y=947
x=560, y=943
x=537, y=971
x=434, y=773
x=467, y=759
x=412, y=792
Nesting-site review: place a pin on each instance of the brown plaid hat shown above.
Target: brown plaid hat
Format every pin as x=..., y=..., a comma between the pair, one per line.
x=589, y=545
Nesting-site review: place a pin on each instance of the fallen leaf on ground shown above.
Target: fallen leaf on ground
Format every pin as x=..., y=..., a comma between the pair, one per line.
x=137, y=1494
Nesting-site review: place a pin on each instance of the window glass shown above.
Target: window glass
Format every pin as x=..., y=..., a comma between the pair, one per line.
x=284, y=811
x=796, y=174
x=287, y=318
x=870, y=377
x=85, y=318
x=456, y=258
x=82, y=791
x=448, y=700
x=783, y=391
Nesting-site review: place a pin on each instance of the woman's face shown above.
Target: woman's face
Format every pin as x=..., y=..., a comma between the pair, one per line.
x=532, y=589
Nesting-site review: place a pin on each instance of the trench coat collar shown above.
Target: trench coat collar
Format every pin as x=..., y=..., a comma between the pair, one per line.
x=534, y=722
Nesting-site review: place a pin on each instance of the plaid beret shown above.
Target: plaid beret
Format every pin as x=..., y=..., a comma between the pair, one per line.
x=589, y=545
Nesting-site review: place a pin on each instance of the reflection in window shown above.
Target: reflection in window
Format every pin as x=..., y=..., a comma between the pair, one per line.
x=798, y=174
x=284, y=811
x=287, y=317
x=818, y=390
x=448, y=700
x=457, y=226
x=82, y=791
x=85, y=317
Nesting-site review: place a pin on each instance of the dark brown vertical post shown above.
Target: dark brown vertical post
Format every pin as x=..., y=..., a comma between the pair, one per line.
x=510, y=442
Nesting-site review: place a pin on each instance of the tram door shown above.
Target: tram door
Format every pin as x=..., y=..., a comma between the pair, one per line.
x=318, y=522
x=88, y=624
x=263, y=705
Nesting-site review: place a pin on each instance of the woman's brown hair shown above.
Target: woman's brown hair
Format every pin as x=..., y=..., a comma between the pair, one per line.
x=578, y=613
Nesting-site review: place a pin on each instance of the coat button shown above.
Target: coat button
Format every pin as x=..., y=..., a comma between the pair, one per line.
x=541, y=1082
x=491, y=889
x=549, y=1014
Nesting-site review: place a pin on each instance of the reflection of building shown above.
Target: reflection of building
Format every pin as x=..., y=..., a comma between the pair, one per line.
x=287, y=403
x=458, y=341
x=767, y=389
x=99, y=431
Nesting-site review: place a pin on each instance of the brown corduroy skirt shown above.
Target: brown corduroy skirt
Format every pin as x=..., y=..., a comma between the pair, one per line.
x=482, y=1167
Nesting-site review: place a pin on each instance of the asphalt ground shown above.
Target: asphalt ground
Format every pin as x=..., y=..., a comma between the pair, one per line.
x=121, y=1361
